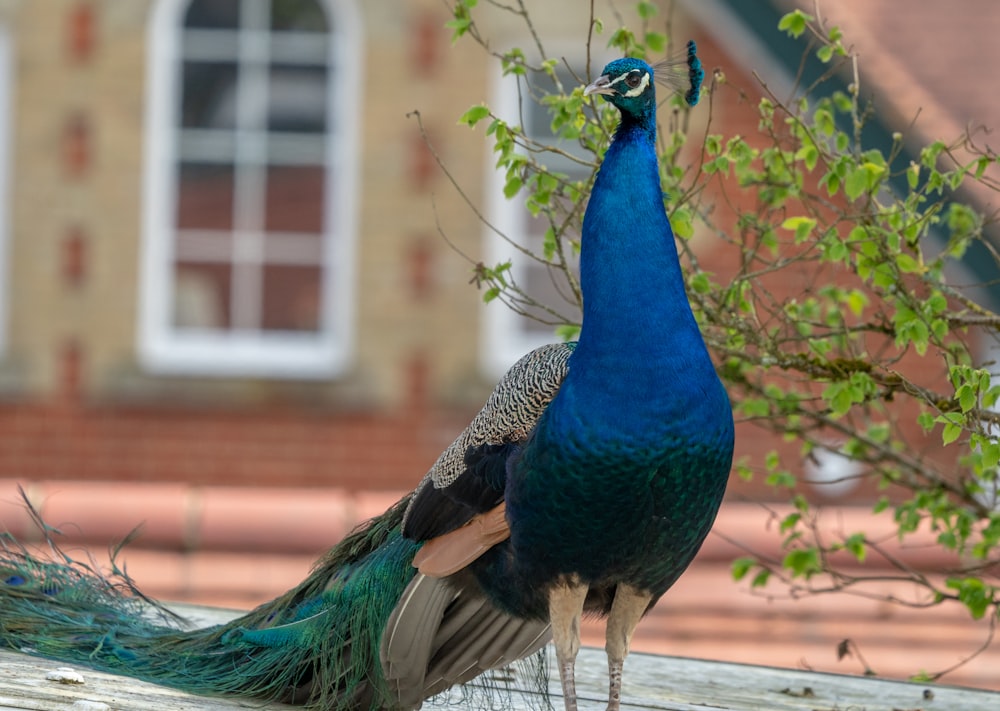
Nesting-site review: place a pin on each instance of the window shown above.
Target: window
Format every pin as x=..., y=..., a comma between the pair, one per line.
x=509, y=335
x=251, y=165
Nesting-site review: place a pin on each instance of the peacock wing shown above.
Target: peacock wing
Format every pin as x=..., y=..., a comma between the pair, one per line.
x=445, y=631
x=468, y=477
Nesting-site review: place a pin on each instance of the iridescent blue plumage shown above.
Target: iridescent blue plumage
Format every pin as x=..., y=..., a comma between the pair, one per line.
x=587, y=483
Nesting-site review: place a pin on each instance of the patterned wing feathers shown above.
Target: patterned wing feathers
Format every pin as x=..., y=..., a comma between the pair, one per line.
x=450, y=495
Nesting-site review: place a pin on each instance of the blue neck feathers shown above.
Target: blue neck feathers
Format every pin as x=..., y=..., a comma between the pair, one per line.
x=635, y=307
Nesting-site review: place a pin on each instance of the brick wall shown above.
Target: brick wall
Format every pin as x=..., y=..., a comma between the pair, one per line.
x=74, y=403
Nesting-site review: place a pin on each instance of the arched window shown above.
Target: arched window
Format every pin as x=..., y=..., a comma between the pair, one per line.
x=251, y=166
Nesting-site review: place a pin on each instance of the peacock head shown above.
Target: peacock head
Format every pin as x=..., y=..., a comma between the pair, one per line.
x=628, y=84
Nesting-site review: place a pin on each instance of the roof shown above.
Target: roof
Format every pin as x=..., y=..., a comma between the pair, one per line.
x=938, y=58
x=928, y=68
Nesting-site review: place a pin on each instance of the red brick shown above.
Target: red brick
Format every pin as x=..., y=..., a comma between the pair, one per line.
x=80, y=32
x=74, y=258
x=420, y=268
x=423, y=166
x=76, y=145
x=426, y=36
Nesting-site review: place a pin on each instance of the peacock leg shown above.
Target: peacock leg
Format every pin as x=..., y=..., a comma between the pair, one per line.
x=627, y=609
x=565, y=608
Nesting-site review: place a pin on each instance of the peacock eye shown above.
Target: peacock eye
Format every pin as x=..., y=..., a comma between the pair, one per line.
x=633, y=78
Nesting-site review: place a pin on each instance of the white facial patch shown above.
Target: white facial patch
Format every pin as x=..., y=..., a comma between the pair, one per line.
x=641, y=87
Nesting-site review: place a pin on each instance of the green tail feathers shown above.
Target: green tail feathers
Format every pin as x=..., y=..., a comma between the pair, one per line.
x=317, y=643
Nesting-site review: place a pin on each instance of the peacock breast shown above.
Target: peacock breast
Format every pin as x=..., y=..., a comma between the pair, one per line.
x=630, y=508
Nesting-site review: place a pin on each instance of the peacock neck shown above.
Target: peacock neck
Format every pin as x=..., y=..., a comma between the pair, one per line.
x=640, y=372
x=635, y=306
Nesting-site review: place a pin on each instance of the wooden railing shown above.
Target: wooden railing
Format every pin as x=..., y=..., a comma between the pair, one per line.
x=651, y=682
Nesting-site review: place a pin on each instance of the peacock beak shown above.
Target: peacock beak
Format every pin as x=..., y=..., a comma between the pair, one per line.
x=601, y=85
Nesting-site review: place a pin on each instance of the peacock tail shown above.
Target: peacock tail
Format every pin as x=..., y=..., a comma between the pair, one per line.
x=319, y=642
x=364, y=631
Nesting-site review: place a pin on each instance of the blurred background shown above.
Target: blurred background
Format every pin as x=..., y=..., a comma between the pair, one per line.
x=228, y=313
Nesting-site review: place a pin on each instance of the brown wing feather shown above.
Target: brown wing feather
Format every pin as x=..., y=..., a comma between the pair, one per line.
x=453, y=551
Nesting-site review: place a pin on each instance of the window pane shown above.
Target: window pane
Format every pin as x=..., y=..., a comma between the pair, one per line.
x=293, y=249
x=538, y=118
x=205, y=196
x=209, y=95
x=297, y=99
x=294, y=199
x=548, y=287
x=291, y=298
x=298, y=16
x=213, y=14
x=202, y=295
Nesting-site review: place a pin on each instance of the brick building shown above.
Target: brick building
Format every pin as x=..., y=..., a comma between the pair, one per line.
x=225, y=307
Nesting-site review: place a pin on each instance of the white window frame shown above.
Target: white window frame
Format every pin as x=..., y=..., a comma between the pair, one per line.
x=6, y=97
x=503, y=334
x=164, y=349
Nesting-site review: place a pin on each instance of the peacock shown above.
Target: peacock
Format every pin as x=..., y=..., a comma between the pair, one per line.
x=585, y=485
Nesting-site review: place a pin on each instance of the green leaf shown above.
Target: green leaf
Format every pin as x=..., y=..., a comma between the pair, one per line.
x=864, y=178
x=856, y=301
x=991, y=454
x=761, y=578
x=908, y=265
x=856, y=183
x=622, y=39
x=790, y=521
x=855, y=543
x=966, y=397
x=700, y=283
x=512, y=187
x=754, y=407
x=459, y=26
x=802, y=562
x=655, y=41
x=802, y=227
x=646, y=10
x=824, y=121
x=794, y=23
x=976, y=595
x=808, y=154
x=953, y=425
x=513, y=62
x=474, y=115
x=741, y=566
x=681, y=222
x=567, y=331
